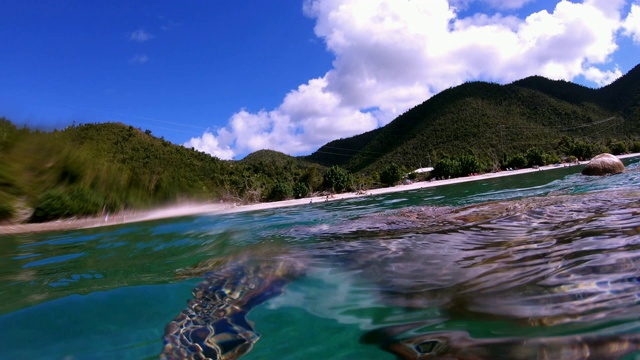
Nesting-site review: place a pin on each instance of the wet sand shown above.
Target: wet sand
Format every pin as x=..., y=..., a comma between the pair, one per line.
x=225, y=208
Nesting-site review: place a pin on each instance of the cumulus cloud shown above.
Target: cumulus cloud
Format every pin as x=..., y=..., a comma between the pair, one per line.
x=632, y=23
x=140, y=36
x=602, y=77
x=209, y=143
x=393, y=54
x=308, y=116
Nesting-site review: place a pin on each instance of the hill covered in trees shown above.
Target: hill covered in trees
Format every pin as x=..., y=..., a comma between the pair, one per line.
x=96, y=168
x=497, y=123
x=475, y=127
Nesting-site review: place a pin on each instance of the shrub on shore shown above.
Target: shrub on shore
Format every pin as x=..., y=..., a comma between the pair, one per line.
x=391, y=175
x=57, y=203
x=338, y=180
x=6, y=211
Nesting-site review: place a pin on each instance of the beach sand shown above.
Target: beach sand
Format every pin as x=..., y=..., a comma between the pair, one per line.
x=225, y=208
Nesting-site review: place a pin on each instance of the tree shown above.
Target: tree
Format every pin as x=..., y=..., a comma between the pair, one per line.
x=582, y=150
x=337, y=180
x=390, y=175
x=6, y=211
x=551, y=159
x=618, y=147
x=469, y=164
x=312, y=177
x=535, y=157
x=566, y=145
x=446, y=168
x=300, y=190
x=517, y=162
x=281, y=191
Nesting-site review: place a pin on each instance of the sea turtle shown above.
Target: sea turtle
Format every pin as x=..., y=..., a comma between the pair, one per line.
x=214, y=325
x=540, y=262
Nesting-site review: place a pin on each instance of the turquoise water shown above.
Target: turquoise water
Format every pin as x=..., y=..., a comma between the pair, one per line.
x=552, y=257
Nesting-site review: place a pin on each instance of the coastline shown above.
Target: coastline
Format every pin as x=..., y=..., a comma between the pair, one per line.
x=220, y=208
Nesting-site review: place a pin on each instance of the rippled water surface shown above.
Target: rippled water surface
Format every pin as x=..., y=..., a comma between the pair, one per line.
x=544, y=265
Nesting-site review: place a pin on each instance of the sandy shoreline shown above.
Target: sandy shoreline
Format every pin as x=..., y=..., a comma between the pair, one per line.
x=219, y=208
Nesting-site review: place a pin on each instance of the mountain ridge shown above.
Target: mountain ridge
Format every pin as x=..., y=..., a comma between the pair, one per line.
x=493, y=121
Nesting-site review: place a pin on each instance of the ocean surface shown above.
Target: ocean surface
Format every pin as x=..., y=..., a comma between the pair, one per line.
x=542, y=265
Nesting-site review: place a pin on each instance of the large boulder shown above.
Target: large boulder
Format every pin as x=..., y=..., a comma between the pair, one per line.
x=603, y=164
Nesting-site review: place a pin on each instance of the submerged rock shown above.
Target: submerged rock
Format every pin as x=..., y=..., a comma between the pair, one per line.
x=603, y=164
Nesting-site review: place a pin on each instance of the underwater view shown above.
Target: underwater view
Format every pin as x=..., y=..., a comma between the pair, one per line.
x=543, y=265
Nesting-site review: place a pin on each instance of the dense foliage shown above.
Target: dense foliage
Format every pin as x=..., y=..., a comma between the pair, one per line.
x=464, y=165
x=391, y=175
x=338, y=180
x=496, y=123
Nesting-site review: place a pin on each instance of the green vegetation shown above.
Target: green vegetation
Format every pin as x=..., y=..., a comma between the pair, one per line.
x=473, y=128
x=6, y=211
x=58, y=203
x=338, y=180
x=391, y=175
x=496, y=123
x=97, y=168
x=456, y=167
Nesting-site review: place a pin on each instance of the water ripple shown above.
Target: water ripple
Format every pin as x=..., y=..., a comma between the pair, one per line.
x=543, y=262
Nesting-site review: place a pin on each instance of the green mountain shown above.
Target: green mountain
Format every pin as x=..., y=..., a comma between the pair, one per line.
x=494, y=123
x=277, y=176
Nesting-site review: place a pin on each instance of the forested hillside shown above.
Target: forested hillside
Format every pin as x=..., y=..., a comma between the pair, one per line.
x=94, y=168
x=475, y=127
x=496, y=123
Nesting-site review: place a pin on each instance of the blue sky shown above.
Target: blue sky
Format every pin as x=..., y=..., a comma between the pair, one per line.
x=233, y=77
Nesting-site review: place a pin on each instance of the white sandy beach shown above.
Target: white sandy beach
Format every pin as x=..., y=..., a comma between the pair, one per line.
x=220, y=208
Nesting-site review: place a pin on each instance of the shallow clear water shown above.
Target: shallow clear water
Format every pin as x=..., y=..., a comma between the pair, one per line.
x=550, y=257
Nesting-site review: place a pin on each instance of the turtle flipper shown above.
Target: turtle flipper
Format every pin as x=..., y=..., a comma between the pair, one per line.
x=214, y=325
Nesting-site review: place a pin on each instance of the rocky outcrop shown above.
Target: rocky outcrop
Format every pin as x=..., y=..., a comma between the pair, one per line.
x=603, y=164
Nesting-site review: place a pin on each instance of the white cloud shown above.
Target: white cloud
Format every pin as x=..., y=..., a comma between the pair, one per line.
x=210, y=144
x=632, y=23
x=140, y=59
x=308, y=116
x=611, y=8
x=393, y=54
x=140, y=36
x=600, y=77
